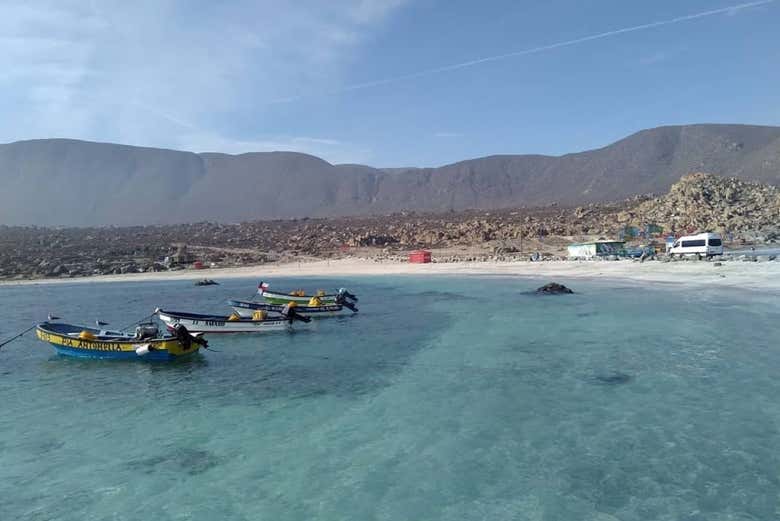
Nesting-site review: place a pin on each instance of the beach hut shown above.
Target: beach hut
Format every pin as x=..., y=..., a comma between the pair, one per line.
x=590, y=250
x=420, y=257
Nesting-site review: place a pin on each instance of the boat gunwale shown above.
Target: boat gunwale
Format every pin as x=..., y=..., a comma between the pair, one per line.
x=215, y=318
x=266, y=306
x=100, y=339
x=274, y=294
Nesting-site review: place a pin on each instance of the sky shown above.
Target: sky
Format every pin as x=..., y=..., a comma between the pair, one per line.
x=383, y=82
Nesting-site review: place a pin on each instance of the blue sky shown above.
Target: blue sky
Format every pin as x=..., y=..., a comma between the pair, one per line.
x=362, y=80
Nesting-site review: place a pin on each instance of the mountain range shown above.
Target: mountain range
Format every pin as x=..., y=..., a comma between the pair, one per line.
x=63, y=182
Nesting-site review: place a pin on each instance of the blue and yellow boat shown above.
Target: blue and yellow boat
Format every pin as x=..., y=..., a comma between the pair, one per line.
x=145, y=344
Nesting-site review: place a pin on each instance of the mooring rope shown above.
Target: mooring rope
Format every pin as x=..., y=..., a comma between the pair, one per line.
x=17, y=336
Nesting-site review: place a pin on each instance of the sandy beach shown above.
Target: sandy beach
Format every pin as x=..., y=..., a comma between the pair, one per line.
x=748, y=275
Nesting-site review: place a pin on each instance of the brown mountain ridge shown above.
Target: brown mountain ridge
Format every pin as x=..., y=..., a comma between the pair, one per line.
x=61, y=182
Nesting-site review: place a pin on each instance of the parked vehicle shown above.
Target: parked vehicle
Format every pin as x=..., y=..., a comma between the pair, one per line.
x=637, y=252
x=700, y=245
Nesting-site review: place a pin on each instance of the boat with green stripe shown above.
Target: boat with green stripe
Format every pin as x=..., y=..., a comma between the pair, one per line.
x=300, y=297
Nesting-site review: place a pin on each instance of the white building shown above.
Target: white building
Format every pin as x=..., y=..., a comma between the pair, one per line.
x=590, y=250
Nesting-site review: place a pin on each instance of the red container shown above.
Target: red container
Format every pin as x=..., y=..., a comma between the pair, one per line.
x=198, y=265
x=420, y=257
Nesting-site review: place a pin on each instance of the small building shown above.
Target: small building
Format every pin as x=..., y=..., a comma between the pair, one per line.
x=590, y=250
x=181, y=257
x=420, y=257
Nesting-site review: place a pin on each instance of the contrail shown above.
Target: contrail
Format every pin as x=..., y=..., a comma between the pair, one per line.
x=534, y=50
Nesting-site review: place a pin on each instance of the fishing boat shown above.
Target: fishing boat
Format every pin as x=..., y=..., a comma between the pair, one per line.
x=234, y=323
x=247, y=308
x=300, y=297
x=145, y=344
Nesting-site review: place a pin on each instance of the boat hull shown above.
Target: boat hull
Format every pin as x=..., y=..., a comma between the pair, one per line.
x=216, y=324
x=125, y=348
x=246, y=309
x=157, y=356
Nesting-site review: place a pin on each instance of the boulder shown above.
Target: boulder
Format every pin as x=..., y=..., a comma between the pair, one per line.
x=58, y=270
x=553, y=288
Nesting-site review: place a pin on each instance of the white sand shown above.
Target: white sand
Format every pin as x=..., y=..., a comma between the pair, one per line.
x=750, y=275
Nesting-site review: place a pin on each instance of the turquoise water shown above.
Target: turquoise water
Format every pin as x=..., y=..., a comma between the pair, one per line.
x=445, y=398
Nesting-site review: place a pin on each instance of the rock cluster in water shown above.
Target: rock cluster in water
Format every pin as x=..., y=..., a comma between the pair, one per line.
x=553, y=288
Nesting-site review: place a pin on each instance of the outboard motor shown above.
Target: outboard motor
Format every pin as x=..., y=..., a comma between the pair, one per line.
x=342, y=301
x=289, y=312
x=186, y=339
x=347, y=294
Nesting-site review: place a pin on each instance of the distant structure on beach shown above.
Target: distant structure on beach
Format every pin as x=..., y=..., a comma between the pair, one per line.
x=182, y=257
x=590, y=250
x=420, y=257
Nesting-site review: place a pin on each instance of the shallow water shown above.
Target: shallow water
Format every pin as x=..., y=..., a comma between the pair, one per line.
x=445, y=398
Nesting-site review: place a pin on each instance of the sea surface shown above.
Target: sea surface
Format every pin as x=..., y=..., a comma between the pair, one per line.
x=445, y=398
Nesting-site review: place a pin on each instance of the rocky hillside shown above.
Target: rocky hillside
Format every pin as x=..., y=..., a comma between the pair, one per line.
x=700, y=202
x=57, y=182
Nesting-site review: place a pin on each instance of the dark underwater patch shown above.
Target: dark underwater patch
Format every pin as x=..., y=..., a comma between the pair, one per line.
x=447, y=295
x=616, y=378
x=180, y=460
x=46, y=446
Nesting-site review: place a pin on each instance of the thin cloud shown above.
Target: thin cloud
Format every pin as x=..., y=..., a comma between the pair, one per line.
x=730, y=10
x=317, y=141
x=157, y=73
x=367, y=11
x=176, y=120
x=652, y=59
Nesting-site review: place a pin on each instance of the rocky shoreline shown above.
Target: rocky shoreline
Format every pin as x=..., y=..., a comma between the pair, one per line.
x=746, y=213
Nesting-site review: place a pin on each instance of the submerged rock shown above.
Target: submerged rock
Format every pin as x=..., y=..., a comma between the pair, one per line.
x=613, y=378
x=553, y=288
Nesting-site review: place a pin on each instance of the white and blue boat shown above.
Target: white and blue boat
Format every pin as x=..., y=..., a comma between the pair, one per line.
x=259, y=322
x=247, y=308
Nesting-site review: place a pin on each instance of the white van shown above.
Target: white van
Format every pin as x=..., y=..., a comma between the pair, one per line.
x=701, y=245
